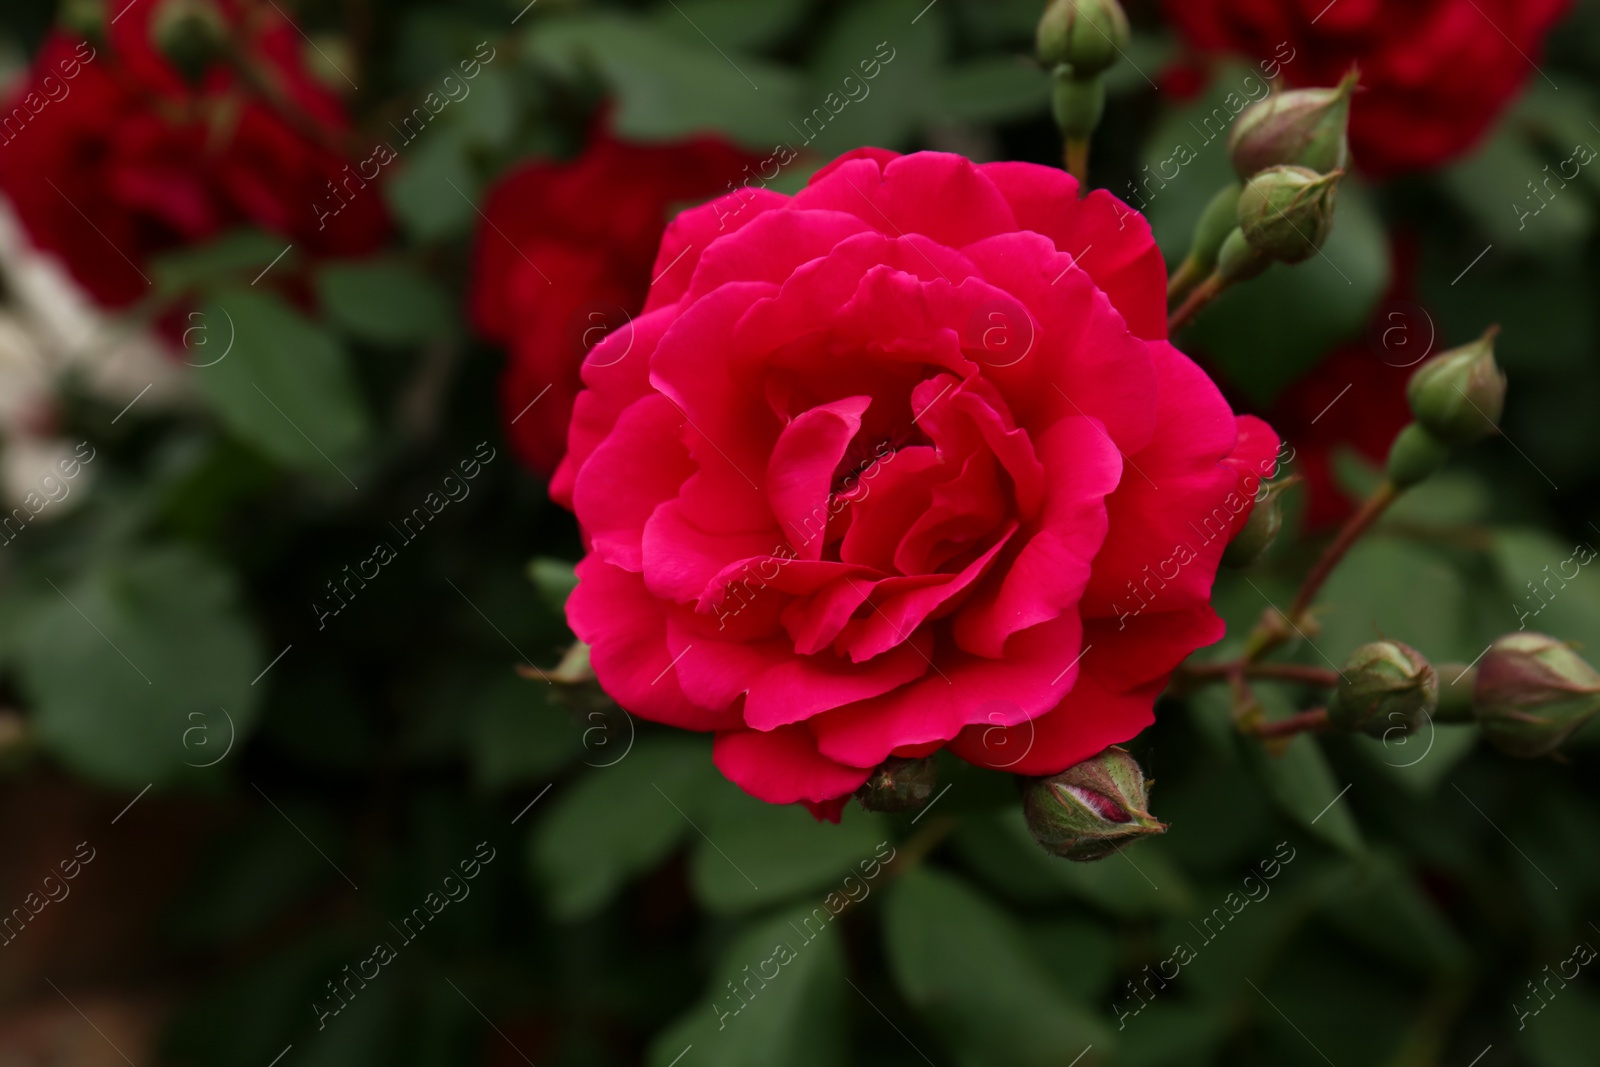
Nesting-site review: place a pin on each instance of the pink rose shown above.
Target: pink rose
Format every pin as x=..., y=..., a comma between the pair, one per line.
x=902, y=462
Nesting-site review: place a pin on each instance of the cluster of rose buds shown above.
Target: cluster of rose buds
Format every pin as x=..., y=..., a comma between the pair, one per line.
x=1529, y=693
x=1289, y=151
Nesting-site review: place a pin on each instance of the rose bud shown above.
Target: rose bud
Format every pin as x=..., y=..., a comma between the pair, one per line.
x=1303, y=128
x=191, y=34
x=1414, y=456
x=83, y=18
x=1259, y=532
x=1458, y=395
x=1090, y=810
x=1533, y=693
x=899, y=785
x=1077, y=103
x=1385, y=685
x=574, y=668
x=1238, y=260
x=1086, y=35
x=1287, y=212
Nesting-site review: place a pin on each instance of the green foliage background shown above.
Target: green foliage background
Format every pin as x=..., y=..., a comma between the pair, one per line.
x=1431, y=882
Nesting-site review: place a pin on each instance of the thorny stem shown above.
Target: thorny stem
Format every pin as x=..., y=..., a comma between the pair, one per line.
x=1311, y=721
x=1289, y=672
x=1188, y=275
x=1197, y=299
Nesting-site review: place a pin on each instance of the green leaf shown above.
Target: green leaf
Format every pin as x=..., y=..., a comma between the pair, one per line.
x=434, y=193
x=285, y=386
x=1396, y=589
x=519, y=734
x=618, y=821
x=756, y=854
x=1174, y=1034
x=670, y=87
x=555, y=580
x=736, y=24
x=1305, y=788
x=490, y=119
x=1138, y=881
x=1079, y=953
x=1389, y=913
x=133, y=654
x=992, y=89
x=966, y=966
x=776, y=999
x=249, y=876
x=1421, y=760
x=384, y=302
x=843, y=108
x=1493, y=186
x=236, y=256
x=1561, y=1034
x=1564, y=598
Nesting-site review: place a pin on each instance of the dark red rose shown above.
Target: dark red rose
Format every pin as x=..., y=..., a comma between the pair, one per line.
x=111, y=156
x=1435, y=73
x=564, y=259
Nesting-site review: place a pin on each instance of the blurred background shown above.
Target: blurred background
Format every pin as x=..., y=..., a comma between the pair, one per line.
x=281, y=388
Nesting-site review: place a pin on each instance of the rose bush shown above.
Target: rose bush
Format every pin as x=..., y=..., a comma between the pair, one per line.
x=111, y=154
x=902, y=462
x=564, y=258
x=1434, y=73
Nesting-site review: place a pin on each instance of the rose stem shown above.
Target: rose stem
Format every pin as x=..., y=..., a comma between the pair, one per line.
x=1306, y=722
x=1202, y=295
x=1188, y=275
x=1077, y=161
x=1288, y=672
x=1357, y=525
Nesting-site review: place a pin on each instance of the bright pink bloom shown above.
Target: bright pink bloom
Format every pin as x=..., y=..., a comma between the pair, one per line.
x=902, y=462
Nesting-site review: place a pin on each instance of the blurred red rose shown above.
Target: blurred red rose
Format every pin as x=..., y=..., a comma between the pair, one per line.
x=1356, y=397
x=1435, y=73
x=111, y=155
x=564, y=258
x=901, y=462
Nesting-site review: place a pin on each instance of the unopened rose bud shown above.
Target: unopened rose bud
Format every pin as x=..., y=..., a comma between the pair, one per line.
x=1458, y=395
x=1301, y=128
x=899, y=785
x=1089, y=811
x=1286, y=213
x=1533, y=693
x=574, y=668
x=1414, y=456
x=190, y=33
x=1259, y=533
x=1238, y=260
x=1077, y=103
x=83, y=18
x=1385, y=686
x=1086, y=35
